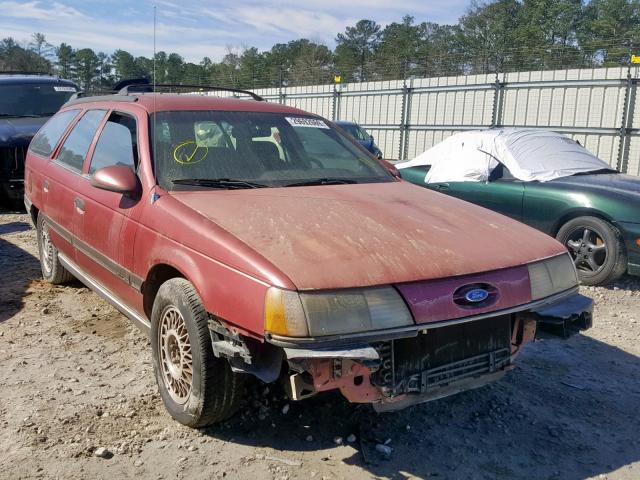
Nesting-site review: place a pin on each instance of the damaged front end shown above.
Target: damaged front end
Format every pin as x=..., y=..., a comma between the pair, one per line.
x=395, y=346
x=432, y=363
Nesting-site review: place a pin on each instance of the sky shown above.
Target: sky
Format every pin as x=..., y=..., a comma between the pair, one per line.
x=204, y=28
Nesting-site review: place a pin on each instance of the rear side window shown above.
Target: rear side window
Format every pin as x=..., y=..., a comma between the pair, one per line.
x=49, y=135
x=117, y=145
x=75, y=147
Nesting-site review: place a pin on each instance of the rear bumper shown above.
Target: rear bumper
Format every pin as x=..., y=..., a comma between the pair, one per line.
x=393, y=373
x=631, y=235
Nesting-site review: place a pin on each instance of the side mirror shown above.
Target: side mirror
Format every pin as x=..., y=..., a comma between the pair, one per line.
x=372, y=139
x=117, y=178
x=390, y=167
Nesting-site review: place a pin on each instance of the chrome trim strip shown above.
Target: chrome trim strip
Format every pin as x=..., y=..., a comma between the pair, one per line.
x=412, y=330
x=140, y=322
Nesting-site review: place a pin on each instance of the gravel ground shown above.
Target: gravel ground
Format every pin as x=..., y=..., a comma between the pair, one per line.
x=78, y=400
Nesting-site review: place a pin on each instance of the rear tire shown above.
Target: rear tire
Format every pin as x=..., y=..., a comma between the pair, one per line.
x=197, y=388
x=597, y=249
x=52, y=270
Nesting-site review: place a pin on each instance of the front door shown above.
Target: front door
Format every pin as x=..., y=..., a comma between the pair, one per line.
x=105, y=236
x=502, y=196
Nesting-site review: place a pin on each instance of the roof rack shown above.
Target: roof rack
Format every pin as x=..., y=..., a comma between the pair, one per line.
x=126, y=90
x=90, y=93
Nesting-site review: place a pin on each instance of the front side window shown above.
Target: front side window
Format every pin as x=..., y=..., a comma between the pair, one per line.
x=117, y=144
x=268, y=149
x=75, y=147
x=49, y=135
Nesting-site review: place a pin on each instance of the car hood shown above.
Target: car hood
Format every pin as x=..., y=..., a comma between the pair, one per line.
x=342, y=236
x=603, y=182
x=17, y=131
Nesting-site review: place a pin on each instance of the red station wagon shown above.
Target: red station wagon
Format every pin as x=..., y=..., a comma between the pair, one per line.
x=251, y=238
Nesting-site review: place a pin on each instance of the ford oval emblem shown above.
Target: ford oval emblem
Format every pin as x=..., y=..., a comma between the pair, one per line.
x=476, y=295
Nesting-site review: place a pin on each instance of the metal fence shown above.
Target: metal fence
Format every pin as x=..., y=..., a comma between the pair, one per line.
x=598, y=107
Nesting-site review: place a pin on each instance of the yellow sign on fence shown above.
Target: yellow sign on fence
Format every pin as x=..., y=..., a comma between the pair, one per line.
x=635, y=58
x=337, y=79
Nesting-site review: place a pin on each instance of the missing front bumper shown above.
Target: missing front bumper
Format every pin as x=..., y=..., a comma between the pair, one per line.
x=565, y=319
x=433, y=363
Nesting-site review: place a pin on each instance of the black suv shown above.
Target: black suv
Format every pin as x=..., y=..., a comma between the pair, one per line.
x=26, y=103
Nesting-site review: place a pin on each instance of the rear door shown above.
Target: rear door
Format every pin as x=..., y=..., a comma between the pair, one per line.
x=106, y=231
x=60, y=178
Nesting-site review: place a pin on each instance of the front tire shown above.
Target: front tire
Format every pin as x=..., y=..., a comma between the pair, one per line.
x=597, y=249
x=52, y=270
x=197, y=388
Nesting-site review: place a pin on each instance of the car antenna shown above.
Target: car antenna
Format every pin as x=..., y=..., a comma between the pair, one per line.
x=155, y=96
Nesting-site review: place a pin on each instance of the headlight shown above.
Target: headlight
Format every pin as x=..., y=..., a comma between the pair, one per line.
x=551, y=276
x=334, y=312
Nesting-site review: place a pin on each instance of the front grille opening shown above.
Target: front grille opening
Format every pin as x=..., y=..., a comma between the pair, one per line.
x=12, y=162
x=444, y=356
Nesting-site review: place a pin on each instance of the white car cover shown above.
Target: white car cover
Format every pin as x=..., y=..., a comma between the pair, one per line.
x=528, y=154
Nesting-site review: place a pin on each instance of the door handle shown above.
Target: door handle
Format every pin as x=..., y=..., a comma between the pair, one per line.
x=79, y=204
x=45, y=186
x=442, y=186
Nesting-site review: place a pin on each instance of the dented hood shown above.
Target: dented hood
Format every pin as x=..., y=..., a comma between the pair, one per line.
x=342, y=236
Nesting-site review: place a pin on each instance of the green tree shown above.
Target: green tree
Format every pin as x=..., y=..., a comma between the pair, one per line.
x=487, y=36
x=124, y=65
x=87, y=67
x=355, y=47
x=611, y=30
x=547, y=31
x=14, y=57
x=65, y=60
x=398, y=52
x=40, y=46
x=175, y=68
x=105, y=77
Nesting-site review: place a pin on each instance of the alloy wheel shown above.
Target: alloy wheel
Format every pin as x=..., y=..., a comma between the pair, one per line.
x=46, y=249
x=588, y=249
x=176, y=360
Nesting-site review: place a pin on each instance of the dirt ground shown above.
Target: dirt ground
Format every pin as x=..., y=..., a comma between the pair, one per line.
x=76, y=376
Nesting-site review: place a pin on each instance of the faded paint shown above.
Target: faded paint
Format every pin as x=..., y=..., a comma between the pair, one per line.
x=342, y=236
x=432, y=301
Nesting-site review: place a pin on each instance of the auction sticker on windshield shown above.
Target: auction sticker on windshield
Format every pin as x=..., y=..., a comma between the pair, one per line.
x=306, y=122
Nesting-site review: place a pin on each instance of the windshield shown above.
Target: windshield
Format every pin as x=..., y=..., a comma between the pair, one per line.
x=355, y=131
x=33, y=99
x=191, y=148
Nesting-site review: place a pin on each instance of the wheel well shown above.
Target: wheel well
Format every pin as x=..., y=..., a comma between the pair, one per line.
x=155, y=278
x=575, y=214
x=33, y=213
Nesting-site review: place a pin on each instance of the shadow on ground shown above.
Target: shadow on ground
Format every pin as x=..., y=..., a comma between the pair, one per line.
x=569, y=411
x=626, y=282
x=17, y=269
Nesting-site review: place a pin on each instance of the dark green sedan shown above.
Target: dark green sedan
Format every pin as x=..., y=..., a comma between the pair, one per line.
x=549, y=182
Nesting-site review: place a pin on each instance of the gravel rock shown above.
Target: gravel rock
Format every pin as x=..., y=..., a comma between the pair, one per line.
x=102, y=452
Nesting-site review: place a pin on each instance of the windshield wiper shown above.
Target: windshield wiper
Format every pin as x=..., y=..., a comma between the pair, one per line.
x=218, y=183
x=323, y=181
